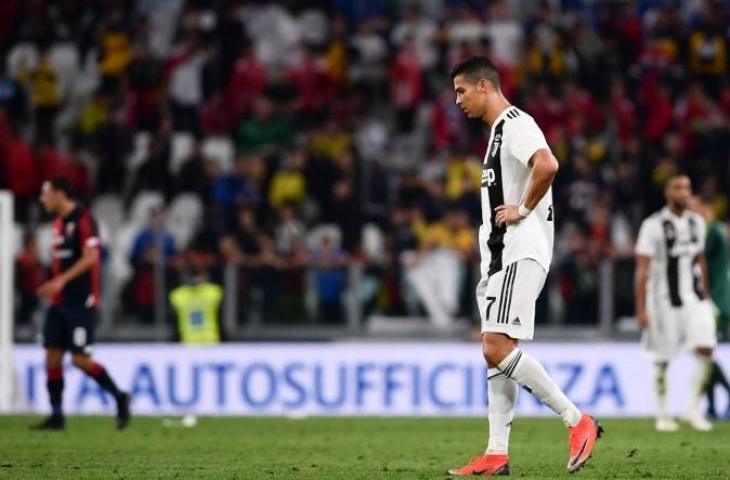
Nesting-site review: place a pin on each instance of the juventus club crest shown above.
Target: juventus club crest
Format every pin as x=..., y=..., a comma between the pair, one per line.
x=495, y=144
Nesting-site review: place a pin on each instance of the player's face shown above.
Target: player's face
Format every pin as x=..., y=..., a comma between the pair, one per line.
x=48, y=198
x=469, y=96
x=679, y=192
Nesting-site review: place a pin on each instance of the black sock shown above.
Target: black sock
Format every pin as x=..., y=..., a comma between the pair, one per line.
x=710, y=391
x=718, y=377
x=101, y=376
x=54, y=384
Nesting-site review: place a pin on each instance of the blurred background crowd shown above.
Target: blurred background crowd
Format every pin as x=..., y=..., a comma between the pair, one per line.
x=308, y=155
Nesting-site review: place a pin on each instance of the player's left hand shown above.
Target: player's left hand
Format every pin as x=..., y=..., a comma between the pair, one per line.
x=50, y=288
x=508, y=214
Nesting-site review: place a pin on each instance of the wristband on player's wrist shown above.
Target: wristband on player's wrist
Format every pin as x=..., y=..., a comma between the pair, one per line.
x=523, y=211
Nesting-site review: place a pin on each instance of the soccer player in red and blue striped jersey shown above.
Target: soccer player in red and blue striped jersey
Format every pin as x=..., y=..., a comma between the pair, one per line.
x=73, y=292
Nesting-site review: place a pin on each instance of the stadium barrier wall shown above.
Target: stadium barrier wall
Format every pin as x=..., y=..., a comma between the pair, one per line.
x=399, y=379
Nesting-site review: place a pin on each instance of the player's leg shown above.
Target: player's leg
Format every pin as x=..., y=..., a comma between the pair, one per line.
x=664, y=421
x=701, y=340
x=54, y=379
x=502, y=390
x=502, y=394
x=515, y=319
x=661, y=342
x=698, y=381
x=97, y=371
x=54, y=341
x=503, y=355
x=717, y=377
x=82, y=338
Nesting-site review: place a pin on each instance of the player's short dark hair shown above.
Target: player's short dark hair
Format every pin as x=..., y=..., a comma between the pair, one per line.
x=62, y=184
x=675, y=176
x=476, y=68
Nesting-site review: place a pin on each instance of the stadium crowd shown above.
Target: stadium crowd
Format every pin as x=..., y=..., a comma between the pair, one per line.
x=311, y=135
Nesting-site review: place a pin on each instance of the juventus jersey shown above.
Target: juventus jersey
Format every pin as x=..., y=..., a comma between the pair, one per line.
x=672, y=243
x=514, y=138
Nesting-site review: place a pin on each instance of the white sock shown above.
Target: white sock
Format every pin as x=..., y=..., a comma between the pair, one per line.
x=660, y=388
x=698, y=381
x=502, y=396
x=530, y=374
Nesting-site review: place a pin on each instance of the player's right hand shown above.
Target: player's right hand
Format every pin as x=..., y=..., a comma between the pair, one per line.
x=643, y=319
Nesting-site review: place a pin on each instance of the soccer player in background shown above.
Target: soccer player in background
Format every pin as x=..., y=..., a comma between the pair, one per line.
x=73, y=292
x=670, y=291
x=516, y=243
x=717, y=252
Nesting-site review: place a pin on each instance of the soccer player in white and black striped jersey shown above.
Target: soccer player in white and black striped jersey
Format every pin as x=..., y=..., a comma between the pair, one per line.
x=672, y=305
x=516, y=243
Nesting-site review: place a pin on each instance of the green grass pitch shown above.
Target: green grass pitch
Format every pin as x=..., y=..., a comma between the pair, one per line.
x=344, y=448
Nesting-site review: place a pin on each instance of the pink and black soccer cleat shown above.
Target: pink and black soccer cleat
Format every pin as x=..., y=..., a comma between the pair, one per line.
x=487, y=465
x=582, y=439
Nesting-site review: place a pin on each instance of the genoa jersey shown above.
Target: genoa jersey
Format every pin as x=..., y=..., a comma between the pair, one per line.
x=514, y=138
x=673, y=244
x=71, y=234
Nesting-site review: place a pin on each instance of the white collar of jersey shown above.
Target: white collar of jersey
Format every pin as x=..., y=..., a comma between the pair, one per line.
x=502, y=114
x=668, y=212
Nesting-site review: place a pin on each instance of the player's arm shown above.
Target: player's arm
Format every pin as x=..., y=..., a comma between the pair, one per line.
x=641, y=280
x=544, y=168
x=89, y=258
x=704, y=274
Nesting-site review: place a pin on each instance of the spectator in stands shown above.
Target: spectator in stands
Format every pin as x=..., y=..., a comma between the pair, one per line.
x=13, y=98
x=153, y=248
x=343, y=212
x=437, y=272
x=240, y=188
x=94, y=114
x=247, y=81
x=143, y=90
x=197, y=174
x=370, y=53
x=154, y=242
x=707, y=47
x=578, y=280
x=506, y=34
x=329, y=262
x=116, y=48
x=263, y=128
x=21, y=171
x=289, y=232
x=289, y=185
x=463, y=176
x=154, y=172
x=423, y=31
x=406, y=85
x=45, y=96
x=112, y=144
x=313, y=87
x=184, y=70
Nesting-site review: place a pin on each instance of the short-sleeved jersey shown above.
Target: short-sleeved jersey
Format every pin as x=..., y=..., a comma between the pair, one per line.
x=673, y=244
x=70, y=235
x=717, y=251
x=506, y=171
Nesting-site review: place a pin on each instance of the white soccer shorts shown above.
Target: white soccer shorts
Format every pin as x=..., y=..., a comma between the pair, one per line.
x=507, y=299
x=673, y=330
